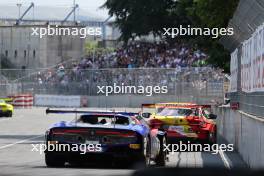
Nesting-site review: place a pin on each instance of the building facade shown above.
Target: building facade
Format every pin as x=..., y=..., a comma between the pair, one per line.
x=25, y=50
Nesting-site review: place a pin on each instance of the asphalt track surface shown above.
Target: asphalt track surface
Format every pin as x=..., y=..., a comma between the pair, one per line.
x=27, y=127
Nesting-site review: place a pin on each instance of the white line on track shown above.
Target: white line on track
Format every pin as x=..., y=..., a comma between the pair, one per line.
x=19, y=142
x=224, y=158
x=4, y=118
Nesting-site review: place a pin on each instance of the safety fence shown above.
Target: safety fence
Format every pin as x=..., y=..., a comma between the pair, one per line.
x=197, y=83
x=246, y=19
x=247, y=61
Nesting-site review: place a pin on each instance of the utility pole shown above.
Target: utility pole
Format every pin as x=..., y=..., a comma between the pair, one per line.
x=74, y=14
x=19, y=8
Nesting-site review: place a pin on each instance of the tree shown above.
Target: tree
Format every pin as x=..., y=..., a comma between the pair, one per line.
x=137, y=17
x=213, y=14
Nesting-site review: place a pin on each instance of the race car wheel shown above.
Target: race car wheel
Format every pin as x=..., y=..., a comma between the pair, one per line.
x=212, y=137
x=162, y=157
x=53, y=160
x=145, y=159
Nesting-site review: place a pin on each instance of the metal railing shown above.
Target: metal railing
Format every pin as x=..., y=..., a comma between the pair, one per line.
x=195, y=82
x=248, y=17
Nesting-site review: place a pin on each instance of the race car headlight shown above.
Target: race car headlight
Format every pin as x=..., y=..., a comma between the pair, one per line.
x=134, y=146
x=52, y=142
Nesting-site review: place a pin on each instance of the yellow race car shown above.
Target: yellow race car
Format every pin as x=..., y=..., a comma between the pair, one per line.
x=6, y=109
x=183, y=121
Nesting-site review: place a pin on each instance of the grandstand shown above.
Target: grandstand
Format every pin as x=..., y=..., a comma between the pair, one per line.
x=144, y=55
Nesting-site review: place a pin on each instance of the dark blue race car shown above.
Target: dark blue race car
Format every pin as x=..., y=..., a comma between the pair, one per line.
x=116, y=137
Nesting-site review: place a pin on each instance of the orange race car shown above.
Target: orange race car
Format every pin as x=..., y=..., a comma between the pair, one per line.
x=183, y=121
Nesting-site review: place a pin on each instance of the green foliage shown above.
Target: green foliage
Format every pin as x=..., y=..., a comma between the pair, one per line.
x=214, y=13
x=92, y=47
x=138, y=17
x=218, y=56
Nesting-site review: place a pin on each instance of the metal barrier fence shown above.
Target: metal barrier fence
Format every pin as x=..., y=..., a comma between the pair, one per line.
x=195, y=82
x=245, y=71
x=247, y=18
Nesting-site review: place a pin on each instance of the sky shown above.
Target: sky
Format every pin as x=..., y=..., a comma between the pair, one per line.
x=89, y=5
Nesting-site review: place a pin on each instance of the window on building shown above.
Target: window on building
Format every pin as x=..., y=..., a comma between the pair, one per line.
x=15, y=54
x=34, y=54
x=6, y=53
x=25, y=53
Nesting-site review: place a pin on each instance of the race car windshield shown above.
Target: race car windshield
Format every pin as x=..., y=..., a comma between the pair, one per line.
x=175, y=112
x=103, y=120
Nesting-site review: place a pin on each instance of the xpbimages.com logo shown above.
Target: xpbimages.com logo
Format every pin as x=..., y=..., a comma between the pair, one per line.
x=56, y=30
x=81, y=148
x=123, y=89
x=191, y=147
x=195, y=31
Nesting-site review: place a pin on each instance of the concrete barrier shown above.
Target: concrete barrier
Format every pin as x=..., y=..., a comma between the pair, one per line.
x=57, y=100
x=245, y=131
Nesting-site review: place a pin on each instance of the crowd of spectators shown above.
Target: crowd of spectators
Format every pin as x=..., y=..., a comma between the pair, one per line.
x=177, y=63
x=146, y=55
x=86, y=81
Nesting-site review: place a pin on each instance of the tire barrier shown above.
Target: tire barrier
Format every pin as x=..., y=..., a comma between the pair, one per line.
x=22, y=100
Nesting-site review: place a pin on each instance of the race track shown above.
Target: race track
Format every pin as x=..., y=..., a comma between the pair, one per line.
x=28, y=127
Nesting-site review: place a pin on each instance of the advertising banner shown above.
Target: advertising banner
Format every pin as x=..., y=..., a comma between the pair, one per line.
x=252, y=63
x=234, y=71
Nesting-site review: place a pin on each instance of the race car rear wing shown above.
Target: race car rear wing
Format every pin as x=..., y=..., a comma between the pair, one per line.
x=58, y=111
x=174, y=105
